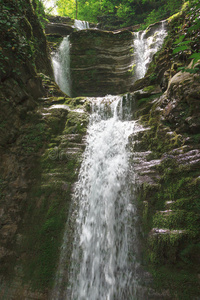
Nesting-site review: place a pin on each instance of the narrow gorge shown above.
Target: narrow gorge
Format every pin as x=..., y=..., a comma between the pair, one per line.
x=99, y=173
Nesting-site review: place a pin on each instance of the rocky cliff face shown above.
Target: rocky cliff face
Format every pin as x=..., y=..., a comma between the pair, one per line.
x=101, y=62
x=167, y=158
x=20, y=62
x=29, y=125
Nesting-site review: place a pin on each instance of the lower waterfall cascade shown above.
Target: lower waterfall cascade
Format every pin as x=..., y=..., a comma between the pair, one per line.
x=103, y=263
x=104, y=260
x=105, y=208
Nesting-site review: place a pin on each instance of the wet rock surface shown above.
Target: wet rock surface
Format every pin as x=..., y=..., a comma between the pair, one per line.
x=100, y=62
x=58, y=29
x=37, y=172
x=167, y=162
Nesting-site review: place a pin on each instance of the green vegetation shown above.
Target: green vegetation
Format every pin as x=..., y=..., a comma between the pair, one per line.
x=12, y=27
x=182, y=284
x=54, y=172
x=119, y=13
x=188, y=42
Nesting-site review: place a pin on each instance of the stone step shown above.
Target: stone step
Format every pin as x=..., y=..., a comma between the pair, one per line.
x=77, y=138
x=162, y=231
x=72, y=145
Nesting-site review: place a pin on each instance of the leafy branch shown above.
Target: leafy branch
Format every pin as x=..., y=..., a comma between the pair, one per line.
x=185, y=41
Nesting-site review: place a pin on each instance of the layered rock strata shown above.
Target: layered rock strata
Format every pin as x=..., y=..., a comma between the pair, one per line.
x=101, y=62
x=58, y=29
x=167, y=159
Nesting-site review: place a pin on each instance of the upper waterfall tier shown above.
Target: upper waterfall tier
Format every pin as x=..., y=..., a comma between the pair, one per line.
x=101, y=62
x=146, y=44
x=106, y=62
x=81, y=25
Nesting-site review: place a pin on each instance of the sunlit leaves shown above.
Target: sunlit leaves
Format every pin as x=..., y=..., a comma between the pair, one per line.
x=180, y=39
x=196, y=57
x=180, y=48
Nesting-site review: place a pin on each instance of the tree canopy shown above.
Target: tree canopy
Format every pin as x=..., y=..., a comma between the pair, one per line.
x=119, y=13
x=128, y=12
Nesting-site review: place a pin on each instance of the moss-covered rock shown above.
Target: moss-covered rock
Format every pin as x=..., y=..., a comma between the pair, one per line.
x=168, y=150
x=49, y=155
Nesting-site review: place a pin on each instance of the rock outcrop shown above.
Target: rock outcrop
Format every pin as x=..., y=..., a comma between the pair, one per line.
x=167, y=160
x=58, y=29
x=101, y=62
x=24, y=137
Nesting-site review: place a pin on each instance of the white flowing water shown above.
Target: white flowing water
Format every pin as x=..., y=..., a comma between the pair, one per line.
x=61, y=60
x=105, y=249
x=146, y=47
x=61, y=66
x=81, y=25
x=100, y=260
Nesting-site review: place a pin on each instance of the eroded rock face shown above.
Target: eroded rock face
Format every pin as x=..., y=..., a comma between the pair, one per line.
x=61, y=20
x=101, y=62
x=167, y=159
x=58, y=29
x=182, y=102
x=37, y=172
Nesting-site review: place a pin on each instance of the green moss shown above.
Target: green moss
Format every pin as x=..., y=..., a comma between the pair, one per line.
x=179, y=219
x=43, y=237
x=163, y=248
x=183, y=284
x=47, y=210
x=76, y=123
x=33, y=138
x=149, y=88
x=132, y=70
x=177, y=15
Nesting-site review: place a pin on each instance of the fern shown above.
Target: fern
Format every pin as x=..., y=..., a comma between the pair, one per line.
x=181, y=48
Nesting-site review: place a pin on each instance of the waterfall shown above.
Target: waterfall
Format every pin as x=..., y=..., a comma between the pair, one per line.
x=103, y=220
x=103, y=257
x=146, y=45
x=105, y=207
x=61, y=66
x=80, y=25
x=61, y=60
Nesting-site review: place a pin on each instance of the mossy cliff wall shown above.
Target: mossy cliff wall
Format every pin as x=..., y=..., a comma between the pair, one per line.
x=23, y=54
x=40, y=148
x=167, y=161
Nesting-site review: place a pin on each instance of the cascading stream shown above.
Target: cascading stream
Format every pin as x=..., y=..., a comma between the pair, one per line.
x=61, y=60
x=105, y=249
x=145, y=47
x=101, y=246
x=61, y=66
